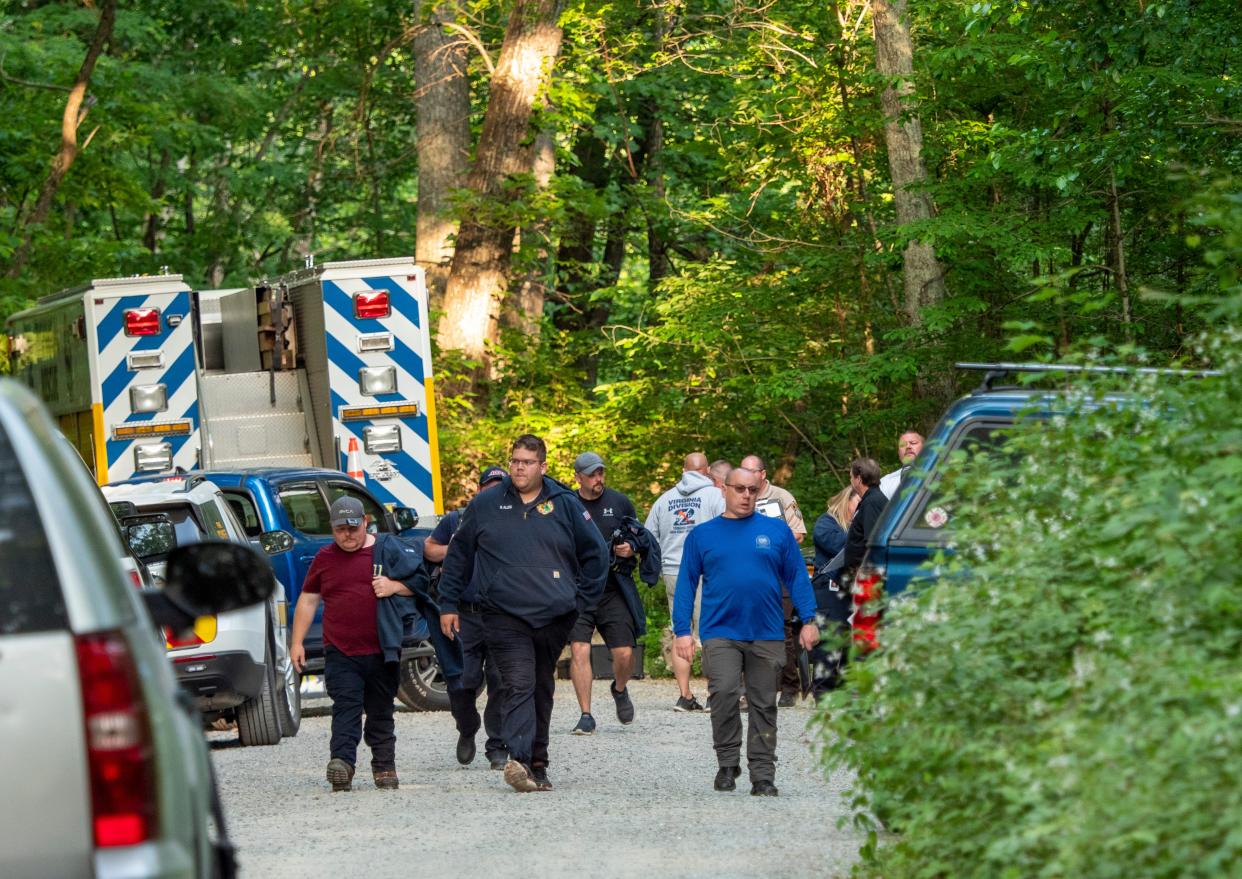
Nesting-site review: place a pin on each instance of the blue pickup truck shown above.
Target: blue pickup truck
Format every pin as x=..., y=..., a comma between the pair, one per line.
x=286, y=511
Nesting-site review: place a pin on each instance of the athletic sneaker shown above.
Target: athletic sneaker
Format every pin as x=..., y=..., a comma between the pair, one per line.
x=585, y=727
x=519, y=777
x=691, y=704
x=625, y=705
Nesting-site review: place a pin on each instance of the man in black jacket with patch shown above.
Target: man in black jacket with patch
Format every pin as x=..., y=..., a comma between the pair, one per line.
x=865, y=479
x=536, y=561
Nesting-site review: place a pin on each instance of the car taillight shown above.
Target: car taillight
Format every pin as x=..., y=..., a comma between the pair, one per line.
x=142, y=322
x=372, y=304
x=118, y=742
x=868, y=589
x=137, y=578
x=188, y=639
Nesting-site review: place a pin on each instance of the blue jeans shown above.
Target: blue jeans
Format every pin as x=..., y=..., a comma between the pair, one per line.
x=526, y=658
x=358, y=685
x=478, y=666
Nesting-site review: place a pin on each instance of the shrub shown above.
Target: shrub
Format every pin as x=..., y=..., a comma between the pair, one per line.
x=1066, y=698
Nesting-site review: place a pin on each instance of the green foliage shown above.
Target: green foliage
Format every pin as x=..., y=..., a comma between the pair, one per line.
x=1063, y=699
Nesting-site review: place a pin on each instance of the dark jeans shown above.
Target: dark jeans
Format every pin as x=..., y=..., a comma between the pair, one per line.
x=358, y=684
x=760, y=662
x=790, y=680
x=526, y=658
x=477, y=666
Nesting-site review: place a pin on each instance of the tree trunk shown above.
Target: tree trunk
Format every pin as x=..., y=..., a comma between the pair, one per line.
x=903, y=136
x=479, y=271
x=151, y=235
x=525, y=311
x=303, y=244
x=442, y=132
x=76, y=108
x=1118, y=253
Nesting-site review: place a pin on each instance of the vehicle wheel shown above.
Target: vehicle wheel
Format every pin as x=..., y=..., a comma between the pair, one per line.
x=290, y=697
x=258, y=719
x=423, y=687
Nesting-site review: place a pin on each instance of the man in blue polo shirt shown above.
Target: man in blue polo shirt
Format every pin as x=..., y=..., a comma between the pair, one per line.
x=743, y=559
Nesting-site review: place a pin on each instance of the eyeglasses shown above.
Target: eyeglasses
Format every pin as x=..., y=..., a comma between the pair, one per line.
x=518, y=463
x=744, y=489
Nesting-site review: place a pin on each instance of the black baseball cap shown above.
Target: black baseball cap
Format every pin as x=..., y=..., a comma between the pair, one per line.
x=492, y=474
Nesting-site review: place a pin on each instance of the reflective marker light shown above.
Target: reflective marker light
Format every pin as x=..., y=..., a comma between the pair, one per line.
x=142, y=322
x=374, y=342
x=153, y=457
x=380, y=439
x=137, y=360
x=372, y=304
x=376, y=380
x=148, y=398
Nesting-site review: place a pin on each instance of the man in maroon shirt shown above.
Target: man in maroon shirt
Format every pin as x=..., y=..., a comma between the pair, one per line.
x=345, y=575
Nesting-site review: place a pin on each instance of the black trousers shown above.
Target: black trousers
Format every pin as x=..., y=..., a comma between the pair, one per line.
x=790, y=679
x=478, y=666
x=753, y=666
x=526, y=657
x=358, y=685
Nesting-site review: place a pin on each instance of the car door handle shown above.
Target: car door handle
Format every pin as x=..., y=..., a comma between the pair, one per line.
x=306, y=558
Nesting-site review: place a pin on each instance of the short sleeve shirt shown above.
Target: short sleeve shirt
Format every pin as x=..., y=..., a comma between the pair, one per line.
x=776, y=503
x=607, y=511
x=343, y=579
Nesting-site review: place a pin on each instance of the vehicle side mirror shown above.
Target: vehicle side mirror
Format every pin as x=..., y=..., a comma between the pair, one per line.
x=275, y=542
x=207, y=578
x=405, y=517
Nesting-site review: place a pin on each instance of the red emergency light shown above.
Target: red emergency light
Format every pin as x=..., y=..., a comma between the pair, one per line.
x=142, y=322
x=372, y=304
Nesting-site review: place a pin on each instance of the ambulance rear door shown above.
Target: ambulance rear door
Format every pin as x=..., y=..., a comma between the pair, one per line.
x=143, y=367
x=378, y=347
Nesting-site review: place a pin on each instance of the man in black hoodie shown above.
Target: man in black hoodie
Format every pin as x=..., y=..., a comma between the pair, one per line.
x=535, y=561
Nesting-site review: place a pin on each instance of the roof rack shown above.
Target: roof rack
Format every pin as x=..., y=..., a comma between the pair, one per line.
x=994, y=371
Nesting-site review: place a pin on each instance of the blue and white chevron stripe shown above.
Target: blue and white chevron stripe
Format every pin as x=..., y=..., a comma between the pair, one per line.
x=177, y=373
x=405, y=477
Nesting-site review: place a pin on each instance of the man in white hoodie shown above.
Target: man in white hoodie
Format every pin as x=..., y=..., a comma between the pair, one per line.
x=692, y=501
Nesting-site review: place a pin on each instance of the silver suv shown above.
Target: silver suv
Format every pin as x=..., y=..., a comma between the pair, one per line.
x=235, y=664
x=107, y=771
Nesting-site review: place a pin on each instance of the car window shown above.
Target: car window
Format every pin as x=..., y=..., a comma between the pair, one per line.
x=378, y=514
x=930, y=518
x=213, y=520
x=30, y=596
x=244, y=510
x=306, y=508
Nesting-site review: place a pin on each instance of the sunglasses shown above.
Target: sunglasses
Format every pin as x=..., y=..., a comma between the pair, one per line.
x=744, y=489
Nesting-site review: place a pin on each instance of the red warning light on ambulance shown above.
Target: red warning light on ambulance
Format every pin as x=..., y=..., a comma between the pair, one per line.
x=372, y=304
x=142, y=322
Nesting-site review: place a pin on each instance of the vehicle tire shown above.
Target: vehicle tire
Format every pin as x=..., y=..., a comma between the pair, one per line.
x=258, y=719
x=422, y=687
x=290, y=705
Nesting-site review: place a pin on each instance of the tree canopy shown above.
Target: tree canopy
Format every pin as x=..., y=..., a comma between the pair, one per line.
x=718, y=253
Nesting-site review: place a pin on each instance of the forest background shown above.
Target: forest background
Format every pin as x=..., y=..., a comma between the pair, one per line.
x=650, y=226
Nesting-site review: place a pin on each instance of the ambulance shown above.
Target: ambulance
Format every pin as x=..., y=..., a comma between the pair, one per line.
x=146, y=375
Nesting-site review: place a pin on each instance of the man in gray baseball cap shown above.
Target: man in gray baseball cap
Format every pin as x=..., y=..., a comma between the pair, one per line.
x=347, y=511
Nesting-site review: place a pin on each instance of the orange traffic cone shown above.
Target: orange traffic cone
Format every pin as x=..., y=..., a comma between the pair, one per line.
x=353, y=461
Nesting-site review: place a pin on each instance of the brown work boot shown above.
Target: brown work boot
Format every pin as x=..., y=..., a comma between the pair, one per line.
x=340, y=774
x=385, y=779
x=519, y=777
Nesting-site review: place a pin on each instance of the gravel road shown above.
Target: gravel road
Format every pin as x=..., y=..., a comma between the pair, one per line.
x=632, y=801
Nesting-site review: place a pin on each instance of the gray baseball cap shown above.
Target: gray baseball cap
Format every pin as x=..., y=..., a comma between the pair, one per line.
x=347, y=511
x=587, y=463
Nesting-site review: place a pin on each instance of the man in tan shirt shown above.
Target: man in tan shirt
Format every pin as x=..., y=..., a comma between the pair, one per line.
x=776, y=502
